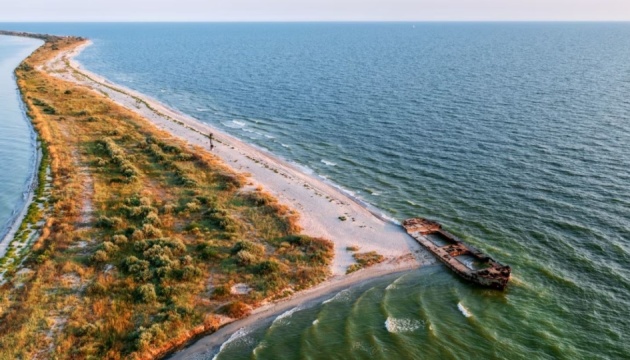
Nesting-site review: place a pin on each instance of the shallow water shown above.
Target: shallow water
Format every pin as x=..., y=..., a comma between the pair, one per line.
x=515, y=136
x=17, y=142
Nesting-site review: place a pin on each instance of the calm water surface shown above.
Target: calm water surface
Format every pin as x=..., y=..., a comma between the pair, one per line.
x=17, y=139
x=515, y=136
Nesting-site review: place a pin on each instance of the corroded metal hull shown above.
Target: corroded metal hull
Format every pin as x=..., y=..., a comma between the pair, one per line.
x=487, y=271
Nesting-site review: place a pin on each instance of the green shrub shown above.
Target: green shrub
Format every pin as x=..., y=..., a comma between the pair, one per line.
x=146, y=293
x=119, y=239
x=100, y=256
x=188, y=272
x=208, y=252
x=249, y=246
x=110, y=247
x=49, y=110
x=153, y=219
x=221, y=291
x=137, y=235
x=245, y=257
x=268, y=267
x=139, y=269
x=108, y=222
x=151, y=231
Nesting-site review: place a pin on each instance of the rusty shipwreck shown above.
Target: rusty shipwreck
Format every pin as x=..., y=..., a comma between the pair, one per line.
x=465, y=260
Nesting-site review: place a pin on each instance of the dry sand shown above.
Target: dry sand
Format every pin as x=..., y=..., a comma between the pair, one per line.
x=319, y=203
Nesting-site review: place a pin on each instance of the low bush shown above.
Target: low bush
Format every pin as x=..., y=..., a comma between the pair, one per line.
x=245, y=245
x=100, y=256
x=236, y=309
x=146, y=293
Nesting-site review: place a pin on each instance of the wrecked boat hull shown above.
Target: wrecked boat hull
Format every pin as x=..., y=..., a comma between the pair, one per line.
x=489, y=272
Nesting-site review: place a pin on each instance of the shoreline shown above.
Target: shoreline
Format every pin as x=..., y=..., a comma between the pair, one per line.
x=16, y=220
x=325, y=210
x=14, y=224
x=209, y=344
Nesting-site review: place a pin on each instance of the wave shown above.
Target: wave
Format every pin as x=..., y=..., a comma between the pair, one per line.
x=240, y=333
x=343, y=295
x=463, y=310
x=373, y=192
x=394, y=325
x=261, y=346
x=234, y=124
x=329, y=163
x=285, y=315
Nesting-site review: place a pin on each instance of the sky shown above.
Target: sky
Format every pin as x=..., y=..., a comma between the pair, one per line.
x=314, y=10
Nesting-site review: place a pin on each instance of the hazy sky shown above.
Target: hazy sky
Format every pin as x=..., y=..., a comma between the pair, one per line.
x=311, y=10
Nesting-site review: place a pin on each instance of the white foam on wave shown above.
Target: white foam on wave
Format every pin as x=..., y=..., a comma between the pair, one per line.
x=203, y=109
x=373, y=192
x=234, y=124
x=343, y=295
x=463, y=310
x=389, y=218
x=329, y=163
x=261, y=346
x=285, y=315
x=394, y=325
x=285, y=145
x=240, y=333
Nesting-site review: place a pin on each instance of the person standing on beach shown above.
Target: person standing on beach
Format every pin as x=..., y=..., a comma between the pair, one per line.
x=210, y=137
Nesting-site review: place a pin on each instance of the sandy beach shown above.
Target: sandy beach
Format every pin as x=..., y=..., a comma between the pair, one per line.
x=325, y=211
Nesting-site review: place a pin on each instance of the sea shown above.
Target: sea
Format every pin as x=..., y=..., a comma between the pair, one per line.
x=18, y=149
x=515, y=136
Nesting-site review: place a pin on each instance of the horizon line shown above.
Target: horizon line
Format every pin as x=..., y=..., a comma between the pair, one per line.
x=317, y=21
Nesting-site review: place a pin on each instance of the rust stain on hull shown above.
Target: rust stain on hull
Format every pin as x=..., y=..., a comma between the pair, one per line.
x=480, y=269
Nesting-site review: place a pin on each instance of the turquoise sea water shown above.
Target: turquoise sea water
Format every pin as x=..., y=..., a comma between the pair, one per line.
x=17, y=139
x=515, y=136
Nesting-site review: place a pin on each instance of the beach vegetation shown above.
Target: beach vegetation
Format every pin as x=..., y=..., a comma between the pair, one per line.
x=133, y=265
x=364, y=260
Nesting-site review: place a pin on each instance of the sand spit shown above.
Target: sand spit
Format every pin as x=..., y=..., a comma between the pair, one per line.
x=321, y=205
x=325, y=211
